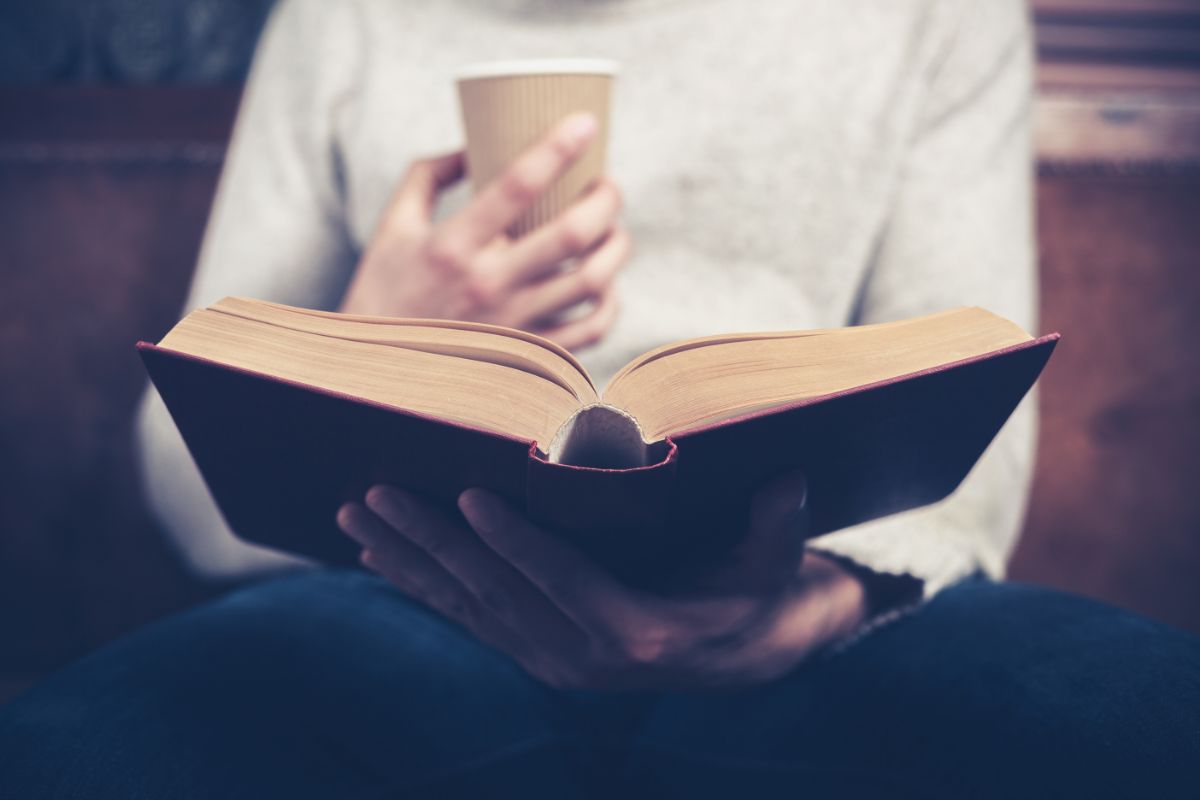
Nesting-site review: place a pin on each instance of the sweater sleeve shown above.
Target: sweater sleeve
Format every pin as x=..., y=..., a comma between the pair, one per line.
x=276, y=231
x=960, y=232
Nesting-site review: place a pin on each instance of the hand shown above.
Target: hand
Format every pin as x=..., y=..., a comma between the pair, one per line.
x=569, y=623
x=467, y=268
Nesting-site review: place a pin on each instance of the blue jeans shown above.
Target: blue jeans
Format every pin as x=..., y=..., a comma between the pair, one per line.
x=333, y=685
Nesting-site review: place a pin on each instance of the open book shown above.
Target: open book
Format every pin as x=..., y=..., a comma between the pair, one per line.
x=289, y=411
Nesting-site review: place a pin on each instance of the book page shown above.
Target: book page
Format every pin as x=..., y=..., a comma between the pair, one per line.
x=703, y=381
x=492, y=343
x=482, y=393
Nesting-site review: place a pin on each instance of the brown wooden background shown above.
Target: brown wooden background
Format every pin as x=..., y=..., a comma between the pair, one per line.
x=103, y=195
x=1115, y=511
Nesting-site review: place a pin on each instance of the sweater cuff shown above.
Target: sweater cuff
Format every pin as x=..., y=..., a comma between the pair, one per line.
x=904, y=546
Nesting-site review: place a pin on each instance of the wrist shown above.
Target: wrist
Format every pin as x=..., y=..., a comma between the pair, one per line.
x=845, y=600
x=881, y=591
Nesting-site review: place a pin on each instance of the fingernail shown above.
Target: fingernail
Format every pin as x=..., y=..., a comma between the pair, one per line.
x=798, y=518
x=476, y=507
x=345, y=518
x=798, y=484
x=579, y=128
x=345, y=522
x=381, y=498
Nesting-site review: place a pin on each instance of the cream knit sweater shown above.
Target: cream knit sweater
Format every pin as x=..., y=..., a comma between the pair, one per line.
x=785, y=165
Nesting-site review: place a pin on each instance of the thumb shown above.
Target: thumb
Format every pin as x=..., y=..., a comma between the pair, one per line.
x=779, y=521
x=418, y=191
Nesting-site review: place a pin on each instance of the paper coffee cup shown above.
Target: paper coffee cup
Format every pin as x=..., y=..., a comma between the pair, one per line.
x=509, y=105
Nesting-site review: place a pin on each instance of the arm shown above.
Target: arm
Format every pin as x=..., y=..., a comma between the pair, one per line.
x=275, y=232
x=961, y=233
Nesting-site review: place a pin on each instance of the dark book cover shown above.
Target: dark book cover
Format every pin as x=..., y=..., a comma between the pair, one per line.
x=281, y=457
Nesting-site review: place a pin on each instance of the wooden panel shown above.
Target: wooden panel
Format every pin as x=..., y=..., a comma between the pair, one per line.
x=1139, y=33
x=1115, y=513
x=1122, y=7
x=98, y=235
x=114, y=117
x=1099, y=128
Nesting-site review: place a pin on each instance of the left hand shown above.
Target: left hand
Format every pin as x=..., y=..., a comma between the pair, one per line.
x=572, y=625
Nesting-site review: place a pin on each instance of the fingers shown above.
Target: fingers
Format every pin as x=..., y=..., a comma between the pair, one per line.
x=573, y=233
x=415, y=197
x=580, y=589
x=413, y=572
x=401, y=563
x=587, y=280
x=589, y=329
x=497, y=586
x=503, y=200
x=779, y=525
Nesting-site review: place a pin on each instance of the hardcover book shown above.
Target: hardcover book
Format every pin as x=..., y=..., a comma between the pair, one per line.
x=290, y=412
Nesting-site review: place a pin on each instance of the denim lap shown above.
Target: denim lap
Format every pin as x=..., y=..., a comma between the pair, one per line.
x=330, y=683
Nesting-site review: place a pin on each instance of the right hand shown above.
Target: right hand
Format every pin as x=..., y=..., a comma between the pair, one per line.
x=466, y=268
x=751, y=618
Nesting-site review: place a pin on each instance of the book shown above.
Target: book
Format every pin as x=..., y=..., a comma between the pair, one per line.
x=290, y=412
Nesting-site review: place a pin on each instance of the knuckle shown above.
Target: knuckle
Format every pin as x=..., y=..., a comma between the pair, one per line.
x=519, y=187
x=644, y=649
x=575, y=234
x=593, y=279
x=481, y=291
x=446, y=255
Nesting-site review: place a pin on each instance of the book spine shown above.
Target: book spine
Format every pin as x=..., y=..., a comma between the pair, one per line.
x=620, y=517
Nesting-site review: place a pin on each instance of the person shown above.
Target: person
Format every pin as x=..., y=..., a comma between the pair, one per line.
x=776, y=165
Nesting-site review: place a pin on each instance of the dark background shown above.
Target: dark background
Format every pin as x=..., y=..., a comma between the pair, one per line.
x=113, y=120
x=185, y=42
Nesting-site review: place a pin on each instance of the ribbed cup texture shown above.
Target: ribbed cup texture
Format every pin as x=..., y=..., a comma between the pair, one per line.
x=503, y=116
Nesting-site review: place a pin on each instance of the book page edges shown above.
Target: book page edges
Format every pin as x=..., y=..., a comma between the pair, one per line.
x=150, y=348
x=458, y=325
x=1046, y=342
x=582, y=442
